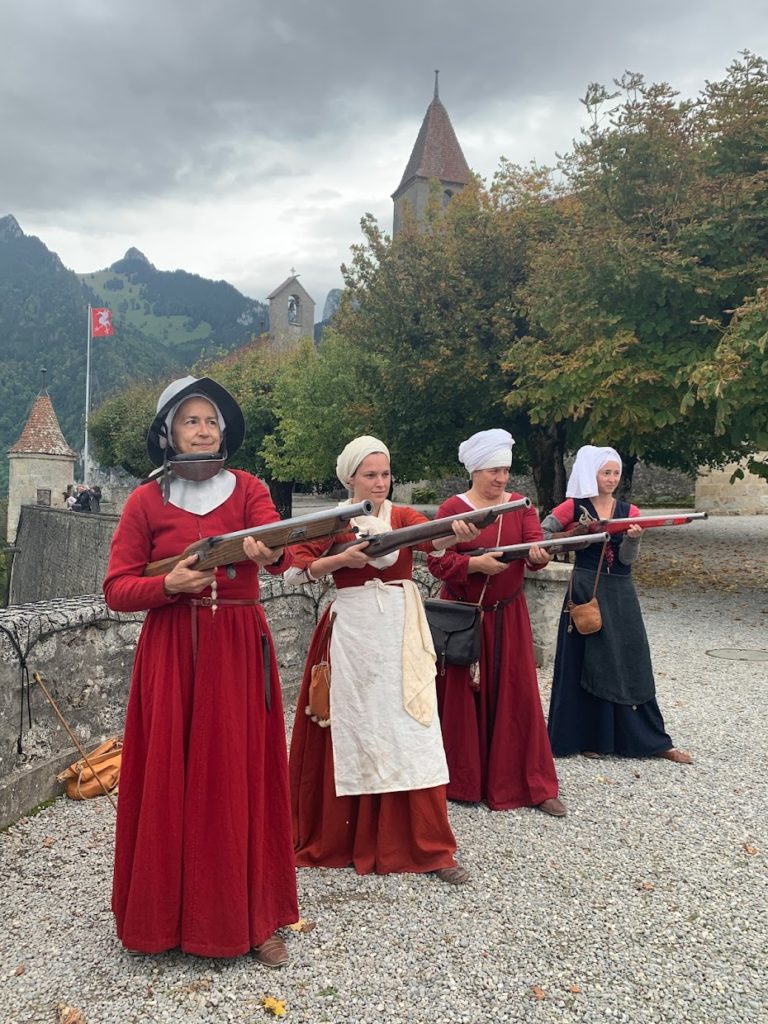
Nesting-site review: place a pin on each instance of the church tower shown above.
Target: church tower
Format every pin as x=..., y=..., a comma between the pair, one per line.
x=436, y=154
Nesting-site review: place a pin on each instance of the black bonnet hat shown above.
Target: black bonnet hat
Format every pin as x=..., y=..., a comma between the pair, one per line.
x=159, y=444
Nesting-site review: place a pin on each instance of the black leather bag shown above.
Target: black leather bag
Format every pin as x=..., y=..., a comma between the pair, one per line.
x=456, y=628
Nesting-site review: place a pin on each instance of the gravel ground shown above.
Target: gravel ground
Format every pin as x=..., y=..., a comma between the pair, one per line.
x=648, y=902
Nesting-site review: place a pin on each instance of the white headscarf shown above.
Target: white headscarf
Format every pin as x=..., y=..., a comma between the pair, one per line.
x=582, y=483
x=486, y=450
x=353, y=455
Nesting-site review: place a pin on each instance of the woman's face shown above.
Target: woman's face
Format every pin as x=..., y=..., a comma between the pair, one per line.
x=490, y=484
x=371, y=479
x=608, y=477
x=196, y=427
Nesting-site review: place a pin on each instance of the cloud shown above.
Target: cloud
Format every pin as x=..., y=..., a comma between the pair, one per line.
x=241, y=138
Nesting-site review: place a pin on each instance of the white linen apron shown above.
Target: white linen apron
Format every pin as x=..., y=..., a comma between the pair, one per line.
x=378, y=747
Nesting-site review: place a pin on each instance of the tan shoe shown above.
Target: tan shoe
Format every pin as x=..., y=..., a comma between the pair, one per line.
x=554, y=807
x=678, y=756
x=272, y=952
x=457, y=875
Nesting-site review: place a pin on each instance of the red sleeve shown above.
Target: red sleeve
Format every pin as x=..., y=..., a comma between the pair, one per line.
x=452, y=566
x=407, y=516
x=564, y=513
x=532, y=532
x=126, y=589
x=260, y=511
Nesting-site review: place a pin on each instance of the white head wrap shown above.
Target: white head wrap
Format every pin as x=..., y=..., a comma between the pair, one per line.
x=582, y=483
x=353, y=455
x=486, y=450
x=173, y=389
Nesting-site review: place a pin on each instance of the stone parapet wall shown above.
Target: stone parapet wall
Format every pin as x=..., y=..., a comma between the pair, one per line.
x=85, y=653
x=59, y=554
x=716, y=493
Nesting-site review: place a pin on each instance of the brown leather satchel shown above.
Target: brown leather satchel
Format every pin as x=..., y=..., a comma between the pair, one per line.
x=319, y=705
x=96, y=772
x=586, y=617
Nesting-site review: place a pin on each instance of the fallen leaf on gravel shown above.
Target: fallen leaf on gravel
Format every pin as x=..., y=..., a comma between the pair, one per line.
x=20, y=969
x=646, y=886
x=538, y=992
x=70, y=1015
x=575, y=989
x=274, y=1006
x=201, y=985
x=48, y=842
x=750, y=849
x=303, y=925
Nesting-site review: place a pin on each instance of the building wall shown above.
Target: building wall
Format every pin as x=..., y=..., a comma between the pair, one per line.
x=715, y=492
x=282, y=331
x=29, y=473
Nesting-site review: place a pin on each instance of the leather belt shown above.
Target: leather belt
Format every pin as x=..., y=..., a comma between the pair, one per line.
x=492, y=693
x=223, y=602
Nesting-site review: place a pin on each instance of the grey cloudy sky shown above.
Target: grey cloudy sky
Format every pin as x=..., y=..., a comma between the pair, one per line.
x=239, y=138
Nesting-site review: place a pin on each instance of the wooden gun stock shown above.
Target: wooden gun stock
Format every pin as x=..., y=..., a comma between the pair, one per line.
x=227, y=548
x=409, y=536
x=513, y=552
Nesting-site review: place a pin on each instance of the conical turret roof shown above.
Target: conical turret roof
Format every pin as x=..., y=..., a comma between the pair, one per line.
x=436, y=152
x=42, y=434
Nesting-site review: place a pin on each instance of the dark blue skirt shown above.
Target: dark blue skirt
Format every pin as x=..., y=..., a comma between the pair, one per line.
x=580, y=721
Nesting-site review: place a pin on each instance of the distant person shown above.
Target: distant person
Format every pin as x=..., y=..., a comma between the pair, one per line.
x=70, y=500
x=96, y=499
x=83, y=499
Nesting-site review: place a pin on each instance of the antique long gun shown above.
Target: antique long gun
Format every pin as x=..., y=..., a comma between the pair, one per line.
x=227, y=548
x=410, y=536
x=512, y=552
x=614, y=526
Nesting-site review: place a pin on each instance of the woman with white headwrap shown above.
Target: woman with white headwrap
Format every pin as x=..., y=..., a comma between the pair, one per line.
x=203, y=857
x=370, y=790
x=603, y=694
x=493, y=728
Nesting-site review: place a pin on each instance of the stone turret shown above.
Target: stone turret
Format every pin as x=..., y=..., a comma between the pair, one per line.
x=436, y=154
x=42, y=465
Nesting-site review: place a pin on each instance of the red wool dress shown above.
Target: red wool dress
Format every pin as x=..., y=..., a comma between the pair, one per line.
x=382, y=833
x=203, y=856
x=495, y=738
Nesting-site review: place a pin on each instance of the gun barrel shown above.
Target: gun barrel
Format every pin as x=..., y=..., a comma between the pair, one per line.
x=514, y=551
x=227, y=548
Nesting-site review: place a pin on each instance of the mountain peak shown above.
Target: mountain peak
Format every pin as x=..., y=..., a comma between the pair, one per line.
x=136, y=254
x=9, y=227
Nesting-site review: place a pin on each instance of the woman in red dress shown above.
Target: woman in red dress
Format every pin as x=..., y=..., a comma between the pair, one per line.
x=203, y=857
x=493, y=726
x=370, y=790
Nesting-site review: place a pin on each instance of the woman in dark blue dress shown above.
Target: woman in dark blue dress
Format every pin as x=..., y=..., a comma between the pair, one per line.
x=603, y=692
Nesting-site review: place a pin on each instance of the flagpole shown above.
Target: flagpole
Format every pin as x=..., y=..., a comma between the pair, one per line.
x=87, y=393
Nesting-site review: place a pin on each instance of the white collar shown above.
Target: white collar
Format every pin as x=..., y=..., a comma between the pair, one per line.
x=202, y=496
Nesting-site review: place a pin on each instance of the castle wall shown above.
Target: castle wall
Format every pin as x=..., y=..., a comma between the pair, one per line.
x=715, y=492
x=59, y=554
x=84, y=652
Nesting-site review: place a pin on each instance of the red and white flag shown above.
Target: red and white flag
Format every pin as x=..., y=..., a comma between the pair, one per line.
x=101, y=323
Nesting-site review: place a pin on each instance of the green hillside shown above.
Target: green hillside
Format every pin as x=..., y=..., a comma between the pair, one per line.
x=163, y=322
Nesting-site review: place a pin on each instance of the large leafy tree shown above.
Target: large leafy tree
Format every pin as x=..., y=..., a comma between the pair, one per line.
x=661, y=237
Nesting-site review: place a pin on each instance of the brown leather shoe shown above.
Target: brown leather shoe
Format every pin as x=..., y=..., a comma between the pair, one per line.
x=554, y=807
x=272, y=952
x=457, y=875
x=678, y=756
